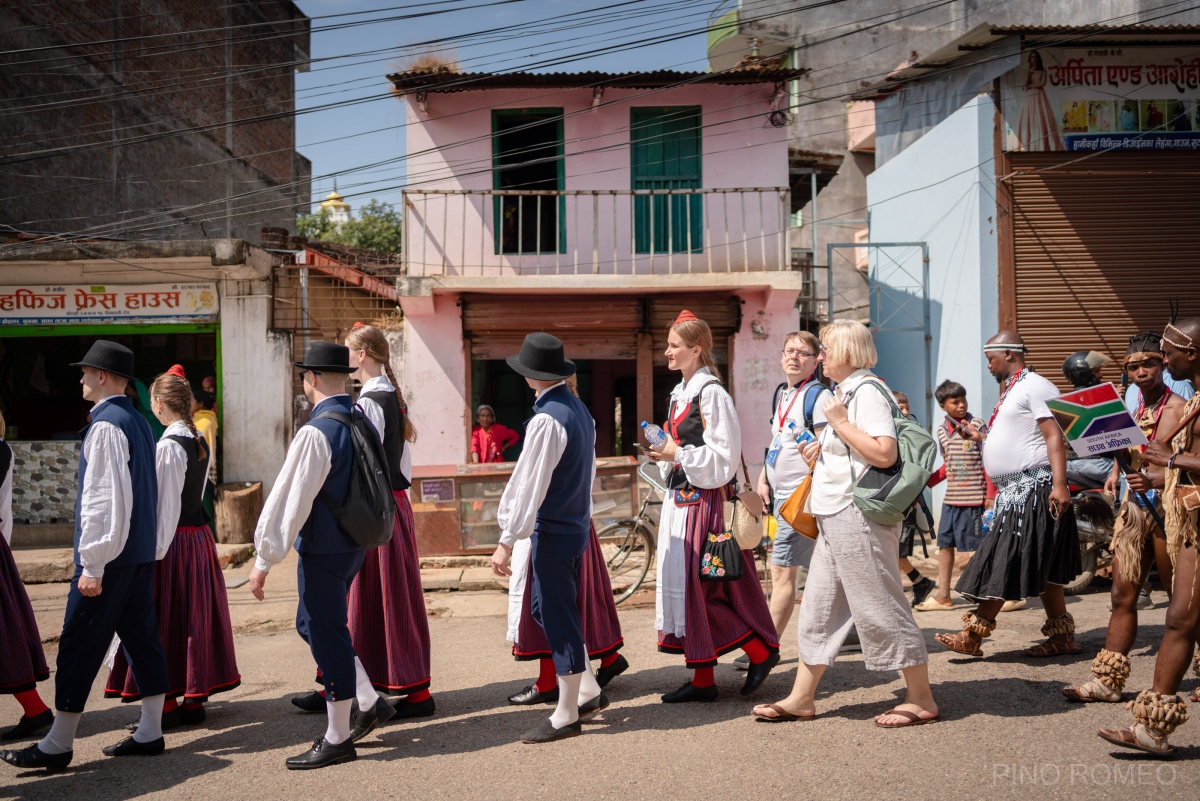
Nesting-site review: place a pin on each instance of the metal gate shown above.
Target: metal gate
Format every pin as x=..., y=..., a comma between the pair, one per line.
x=898, y=283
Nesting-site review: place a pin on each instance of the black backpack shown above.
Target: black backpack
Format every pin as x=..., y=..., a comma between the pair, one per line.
x=369, y=512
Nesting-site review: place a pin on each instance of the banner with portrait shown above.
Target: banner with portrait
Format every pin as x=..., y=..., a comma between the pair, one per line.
x=1108, y=98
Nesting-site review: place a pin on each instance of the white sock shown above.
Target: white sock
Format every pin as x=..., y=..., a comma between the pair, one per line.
x=363, y=689
x=338, y=730
x=61, y=737
x=150, y=725
x=589, y=688
x=567, y=710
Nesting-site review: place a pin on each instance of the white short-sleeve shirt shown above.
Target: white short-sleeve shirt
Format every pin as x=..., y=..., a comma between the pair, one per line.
x=1015, y=442
x=871, y=413
x=790, y=466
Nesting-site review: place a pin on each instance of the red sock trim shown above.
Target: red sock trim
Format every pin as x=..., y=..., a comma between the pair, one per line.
x=547, y=678
x=704, y=677
x=608, y=660
x=31, y=703
x=756, y=650
x=170, y=705
x=418, y=697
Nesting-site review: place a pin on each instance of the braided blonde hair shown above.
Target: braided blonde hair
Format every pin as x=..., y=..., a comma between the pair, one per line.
x=176, y=393
x=696, y=333
x=374, y=343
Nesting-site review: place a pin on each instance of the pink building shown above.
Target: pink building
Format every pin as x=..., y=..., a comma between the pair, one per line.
x=594, y=206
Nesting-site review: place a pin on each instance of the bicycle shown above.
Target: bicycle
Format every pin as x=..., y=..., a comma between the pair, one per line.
x=629, y=545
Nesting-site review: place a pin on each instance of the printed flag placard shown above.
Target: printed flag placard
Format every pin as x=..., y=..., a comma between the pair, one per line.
x=1095, y=421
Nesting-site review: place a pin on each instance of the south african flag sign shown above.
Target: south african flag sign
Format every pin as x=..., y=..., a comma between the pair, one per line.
x=1095, y=420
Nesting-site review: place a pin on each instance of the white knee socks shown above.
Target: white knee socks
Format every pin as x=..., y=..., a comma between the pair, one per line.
x=150, y=725
x=61, y=737
x=363, y=690
x=338, y=730
x=567, y=711
x=589, y=688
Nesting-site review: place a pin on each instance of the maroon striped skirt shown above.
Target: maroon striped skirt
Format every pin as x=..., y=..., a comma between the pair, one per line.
x=388, y=625
x=193, y=623
x=22, y=661
x=721, y=616
x=598, y=612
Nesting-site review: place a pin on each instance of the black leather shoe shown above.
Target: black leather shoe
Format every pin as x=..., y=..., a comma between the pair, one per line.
x=131, y=747
x=170, y=720
x=322, y=755
x=34, y=757
x=414, y=709
x=532, y=695
x=689, y=692
x=607, y=674
x=193, y=716
x=921, y=589
x=365, y=722
x=593, y=706
x=546, y=733
x=28, y=727
x=756, y=674
x=313, y=702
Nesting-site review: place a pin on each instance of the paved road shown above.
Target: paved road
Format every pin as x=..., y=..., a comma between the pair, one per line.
x=1006, y=732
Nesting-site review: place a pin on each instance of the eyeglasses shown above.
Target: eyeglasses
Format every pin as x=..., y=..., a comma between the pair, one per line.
x=798, y=352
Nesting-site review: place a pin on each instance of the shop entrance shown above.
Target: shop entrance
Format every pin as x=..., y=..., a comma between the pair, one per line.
x=608, y=387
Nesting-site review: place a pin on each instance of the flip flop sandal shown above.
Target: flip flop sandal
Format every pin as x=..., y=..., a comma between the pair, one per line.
x=1127, y=739
x=958, y=644
x=782, y=715
x=932, y=605
x=913, y=719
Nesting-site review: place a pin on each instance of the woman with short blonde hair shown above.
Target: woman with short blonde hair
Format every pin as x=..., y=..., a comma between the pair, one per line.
x=854, y=579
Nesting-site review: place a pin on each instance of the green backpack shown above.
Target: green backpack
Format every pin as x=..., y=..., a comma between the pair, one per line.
x=886, y=494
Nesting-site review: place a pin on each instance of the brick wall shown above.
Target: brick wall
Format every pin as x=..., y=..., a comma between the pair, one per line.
x=146, y=122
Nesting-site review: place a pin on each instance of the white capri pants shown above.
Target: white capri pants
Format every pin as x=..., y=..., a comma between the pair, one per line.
x=854, y=581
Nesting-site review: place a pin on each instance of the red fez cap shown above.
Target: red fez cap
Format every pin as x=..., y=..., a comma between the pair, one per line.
x=177, y=370
x=359, y=324
x=685, y=316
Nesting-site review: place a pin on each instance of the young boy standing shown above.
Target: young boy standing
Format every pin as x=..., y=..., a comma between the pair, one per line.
x=966, y=491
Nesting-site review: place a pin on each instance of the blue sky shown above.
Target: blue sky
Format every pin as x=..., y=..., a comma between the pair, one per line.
x=374, y=127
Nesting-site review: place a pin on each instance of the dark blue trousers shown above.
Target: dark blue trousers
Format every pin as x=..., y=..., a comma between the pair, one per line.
x=553, y=601
x=125, y=607
x=324, y=580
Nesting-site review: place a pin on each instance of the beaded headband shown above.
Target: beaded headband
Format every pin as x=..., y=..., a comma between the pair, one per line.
x=1001, y=346
x=1176, y=338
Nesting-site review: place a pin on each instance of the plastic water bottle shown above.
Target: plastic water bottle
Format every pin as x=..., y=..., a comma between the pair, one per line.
x=654, y=435
x=988, y=516
x=799, y=433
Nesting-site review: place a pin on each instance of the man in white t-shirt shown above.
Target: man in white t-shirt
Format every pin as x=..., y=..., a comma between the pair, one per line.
x=802, y=398
x=1032, y=547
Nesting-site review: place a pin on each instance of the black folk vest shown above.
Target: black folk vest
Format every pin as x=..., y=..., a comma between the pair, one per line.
x=393, y=434
x=191, y=509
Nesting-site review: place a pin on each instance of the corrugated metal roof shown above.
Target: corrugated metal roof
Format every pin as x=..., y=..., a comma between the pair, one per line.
x=971, y=46
x=445, y=81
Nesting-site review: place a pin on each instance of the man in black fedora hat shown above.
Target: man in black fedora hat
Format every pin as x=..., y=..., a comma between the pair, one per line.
x=549, y=497
x=116, y=519
x=313, y=482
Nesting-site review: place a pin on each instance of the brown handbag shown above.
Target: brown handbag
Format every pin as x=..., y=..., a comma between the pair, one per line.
x=792, y=510
x=744, y=516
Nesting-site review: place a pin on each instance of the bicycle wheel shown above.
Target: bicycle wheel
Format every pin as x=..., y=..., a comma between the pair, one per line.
x=628, y=551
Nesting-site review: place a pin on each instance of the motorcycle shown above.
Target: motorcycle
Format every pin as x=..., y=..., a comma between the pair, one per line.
x=1095, y=519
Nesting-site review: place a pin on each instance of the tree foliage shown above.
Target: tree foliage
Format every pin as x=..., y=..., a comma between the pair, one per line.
x=376, y=225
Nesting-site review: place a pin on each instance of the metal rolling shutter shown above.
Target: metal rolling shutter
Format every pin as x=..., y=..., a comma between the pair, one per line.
x=1101, y=245
x=591, y=327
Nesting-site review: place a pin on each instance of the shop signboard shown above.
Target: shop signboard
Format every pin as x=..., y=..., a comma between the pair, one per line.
x=32, y=304
x=1106, y=98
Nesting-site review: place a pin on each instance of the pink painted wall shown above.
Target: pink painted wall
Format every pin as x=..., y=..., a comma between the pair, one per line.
x=756, y=368
x=450, y=148
x=433, y=374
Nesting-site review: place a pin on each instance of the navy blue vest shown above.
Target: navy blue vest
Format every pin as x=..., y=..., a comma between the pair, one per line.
x=568, y=505
x=143, y=523
x=321, y=533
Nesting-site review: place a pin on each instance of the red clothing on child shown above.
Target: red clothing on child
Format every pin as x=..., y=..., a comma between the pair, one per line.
x=489, y=445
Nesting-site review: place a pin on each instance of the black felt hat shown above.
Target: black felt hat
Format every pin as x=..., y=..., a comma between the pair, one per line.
x=541, y=358
x=326, y=357
x=111, y=357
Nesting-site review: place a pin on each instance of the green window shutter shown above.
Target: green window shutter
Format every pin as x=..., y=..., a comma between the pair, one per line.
x=665, y=153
